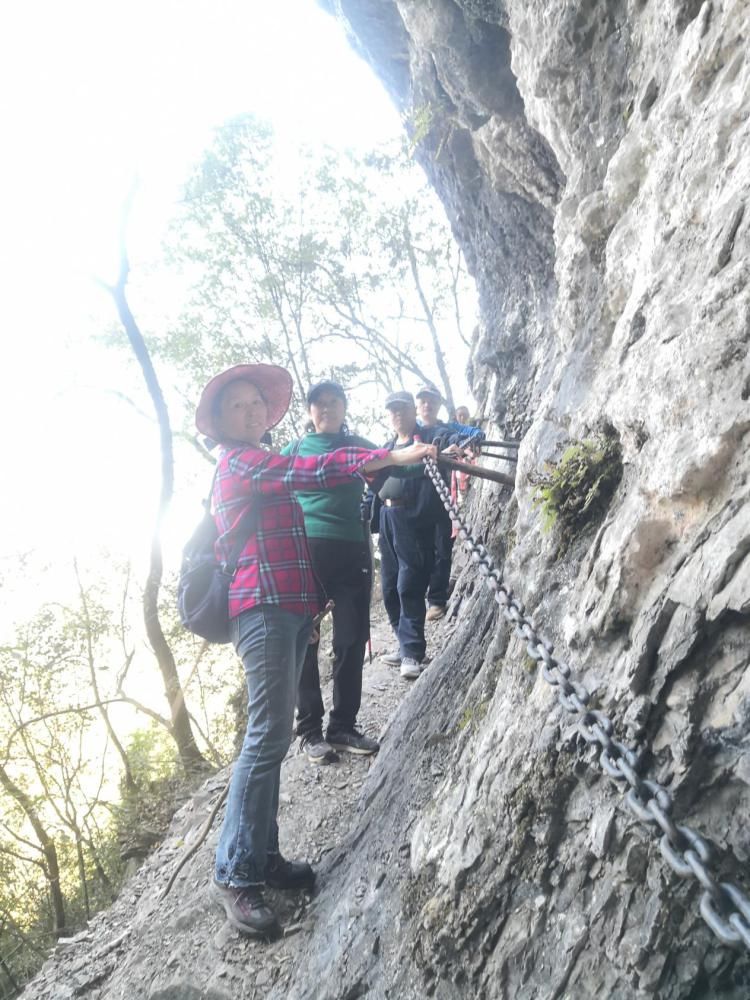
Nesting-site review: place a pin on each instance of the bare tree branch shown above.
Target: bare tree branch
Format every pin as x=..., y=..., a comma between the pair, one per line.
x=436, y=347
x=4, y=849
x=129, y=779
x=456, y=277
x=69, y=710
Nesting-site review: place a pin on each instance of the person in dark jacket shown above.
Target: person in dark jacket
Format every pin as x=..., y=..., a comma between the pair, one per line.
x=429, y=401
x=407, y=509
x=339, y=545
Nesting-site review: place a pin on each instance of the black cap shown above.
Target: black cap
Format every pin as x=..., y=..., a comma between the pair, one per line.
x=326, y=386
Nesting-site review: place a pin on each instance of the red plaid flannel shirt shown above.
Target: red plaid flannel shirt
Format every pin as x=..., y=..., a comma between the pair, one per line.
x=275, y=566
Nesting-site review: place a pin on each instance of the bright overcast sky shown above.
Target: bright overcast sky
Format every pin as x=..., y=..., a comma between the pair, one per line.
x=95, y=93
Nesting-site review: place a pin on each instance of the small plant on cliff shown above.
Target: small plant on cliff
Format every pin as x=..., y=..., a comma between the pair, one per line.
x=575, y=490
x=419, y=124
x=473, y=715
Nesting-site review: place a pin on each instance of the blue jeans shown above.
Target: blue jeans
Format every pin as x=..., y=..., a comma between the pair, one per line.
x=271, y=643
x=407, y=553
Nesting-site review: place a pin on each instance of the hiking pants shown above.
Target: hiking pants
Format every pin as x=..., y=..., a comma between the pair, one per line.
x=272, y=643
x=437, y=592
x=345, y=571
x=407, y=555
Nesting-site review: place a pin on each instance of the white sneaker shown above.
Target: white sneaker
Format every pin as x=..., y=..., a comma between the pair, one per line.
x=392, y=659
x=411, y=668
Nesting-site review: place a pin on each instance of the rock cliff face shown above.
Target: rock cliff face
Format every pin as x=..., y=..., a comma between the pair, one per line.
x=592, y=157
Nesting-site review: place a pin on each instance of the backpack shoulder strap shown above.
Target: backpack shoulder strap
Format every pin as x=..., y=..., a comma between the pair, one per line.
x=209, y=498
x=247, y=526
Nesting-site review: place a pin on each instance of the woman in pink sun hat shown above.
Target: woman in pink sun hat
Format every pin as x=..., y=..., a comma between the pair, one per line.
x=273, y=598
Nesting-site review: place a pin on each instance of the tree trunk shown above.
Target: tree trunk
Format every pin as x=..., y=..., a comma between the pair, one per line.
x=436, y=346
x=129, y=779
x=182, y=732
x=49, y=851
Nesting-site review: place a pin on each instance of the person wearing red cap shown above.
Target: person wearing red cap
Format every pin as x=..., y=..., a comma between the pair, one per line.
x=272, y=600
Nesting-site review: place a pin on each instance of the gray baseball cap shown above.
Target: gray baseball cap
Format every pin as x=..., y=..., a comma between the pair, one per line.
x=428, y=389
x=398, y=398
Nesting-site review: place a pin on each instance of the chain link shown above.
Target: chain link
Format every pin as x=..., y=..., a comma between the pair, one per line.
x=723, y=906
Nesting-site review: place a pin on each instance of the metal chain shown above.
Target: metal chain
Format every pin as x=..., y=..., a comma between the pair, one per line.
x=724, y=907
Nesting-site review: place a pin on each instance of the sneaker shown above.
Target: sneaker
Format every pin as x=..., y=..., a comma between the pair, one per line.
x=315, y=748
x=246, y=909
x=392, y=659
x=411, y=668
x=283, y=874
x=352, y=741
x=435, y=612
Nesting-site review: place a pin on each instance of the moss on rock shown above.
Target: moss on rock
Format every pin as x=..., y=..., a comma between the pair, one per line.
x=576, y=490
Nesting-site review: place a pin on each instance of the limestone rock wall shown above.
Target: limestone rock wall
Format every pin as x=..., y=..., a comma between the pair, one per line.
x=592, y=157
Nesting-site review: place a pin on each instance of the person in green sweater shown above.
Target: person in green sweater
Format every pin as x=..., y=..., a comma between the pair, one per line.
x=340, y=551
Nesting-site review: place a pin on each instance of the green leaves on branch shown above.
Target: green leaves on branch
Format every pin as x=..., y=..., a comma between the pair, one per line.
x=70, y=737
x=326, y=262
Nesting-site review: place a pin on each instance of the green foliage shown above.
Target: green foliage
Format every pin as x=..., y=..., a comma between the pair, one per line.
x=61, y=777
x=144, y=813
x=419, y=125
x=528, y=664
x=472, y=715
x=311, y=260
x=576, y=489
x=465, y=721
x=152, y=755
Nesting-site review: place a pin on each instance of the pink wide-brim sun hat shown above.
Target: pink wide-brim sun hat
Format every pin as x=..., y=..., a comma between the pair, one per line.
x=273, y=382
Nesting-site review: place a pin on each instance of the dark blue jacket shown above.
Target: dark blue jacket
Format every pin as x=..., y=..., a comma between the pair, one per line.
x=411, y=484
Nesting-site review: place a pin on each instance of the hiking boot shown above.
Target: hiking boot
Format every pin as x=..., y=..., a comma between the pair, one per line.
x=283, y=874
x=246, y=909
x=315, y=748
x=411, y=668
x=352, y=741
x=435, y=612
x=392, y=659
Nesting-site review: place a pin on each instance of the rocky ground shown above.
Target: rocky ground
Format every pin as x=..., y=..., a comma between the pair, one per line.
x=181, y=947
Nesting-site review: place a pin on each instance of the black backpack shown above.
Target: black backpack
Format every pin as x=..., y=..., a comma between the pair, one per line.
x=203, y=586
